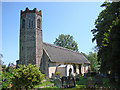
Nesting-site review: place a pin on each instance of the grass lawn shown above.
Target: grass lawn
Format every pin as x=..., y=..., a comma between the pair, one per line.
x=45, y=83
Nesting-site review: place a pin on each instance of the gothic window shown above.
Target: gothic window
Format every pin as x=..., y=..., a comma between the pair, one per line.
x=23, y=23
x=22, y=49
x=80, y=69
x=74, y=66
x=38, y=23
x=30, y=23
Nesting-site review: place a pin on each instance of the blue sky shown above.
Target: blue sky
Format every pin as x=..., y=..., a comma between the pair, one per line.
x=74, y=18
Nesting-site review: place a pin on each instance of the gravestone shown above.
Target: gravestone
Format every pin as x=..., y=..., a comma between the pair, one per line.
x=58, y=76
x=57, y=82
x=64, y=82
x=71, y=81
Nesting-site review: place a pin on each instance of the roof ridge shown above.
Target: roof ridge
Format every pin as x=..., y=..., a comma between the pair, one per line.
x=61, y=47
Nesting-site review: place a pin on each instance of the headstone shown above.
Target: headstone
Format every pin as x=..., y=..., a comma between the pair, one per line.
x=58, y=76
x=71, y=82
x=57, y=82
x=64, y=82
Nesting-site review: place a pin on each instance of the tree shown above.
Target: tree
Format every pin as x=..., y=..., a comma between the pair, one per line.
x=26, y=76
x=92, y=57
x=66, y=41
x=107, y=36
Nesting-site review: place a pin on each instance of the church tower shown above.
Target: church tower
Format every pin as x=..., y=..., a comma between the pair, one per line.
x=30, y=37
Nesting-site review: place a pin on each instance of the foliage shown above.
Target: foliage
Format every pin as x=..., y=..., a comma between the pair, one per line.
x=26, y=76
x=6, y=76
x=92, y=57
x=6, y=80
x=42, y=84
x=81, y=81
x=66, y=41
x=107, y=36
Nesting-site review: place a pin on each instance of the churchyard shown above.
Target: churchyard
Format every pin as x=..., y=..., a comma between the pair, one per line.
x=30, y=77
x=87, y=81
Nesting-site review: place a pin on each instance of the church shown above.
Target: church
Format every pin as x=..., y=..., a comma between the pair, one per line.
x=50, y=58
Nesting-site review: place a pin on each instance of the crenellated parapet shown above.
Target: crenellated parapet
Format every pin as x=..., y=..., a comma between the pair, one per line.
x=31, y=11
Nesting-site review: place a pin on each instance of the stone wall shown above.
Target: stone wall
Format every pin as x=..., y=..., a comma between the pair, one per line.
x=30, y=37
x=44, y=65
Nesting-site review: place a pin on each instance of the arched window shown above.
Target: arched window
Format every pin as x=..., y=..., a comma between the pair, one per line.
x=23, y=23
x=38, y=23
x=74, y=66
x=30, y=23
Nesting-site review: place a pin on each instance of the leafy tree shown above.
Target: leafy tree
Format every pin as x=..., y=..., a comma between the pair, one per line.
x=66, y=41
x=107, y=36
x=92, y=57
x=26, y=76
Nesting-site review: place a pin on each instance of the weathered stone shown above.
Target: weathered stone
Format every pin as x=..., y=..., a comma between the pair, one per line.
x=30, y=37
x=57, y=82
x=64, y=82
x=71, y=82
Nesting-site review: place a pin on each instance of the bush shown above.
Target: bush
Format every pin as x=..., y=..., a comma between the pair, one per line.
x=6, y=81
x=26, y=76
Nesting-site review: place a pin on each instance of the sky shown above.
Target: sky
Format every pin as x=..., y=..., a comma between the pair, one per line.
x=74, y=18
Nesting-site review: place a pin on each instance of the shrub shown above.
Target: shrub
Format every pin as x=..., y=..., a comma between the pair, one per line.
x=26, y=76
x=6, y=81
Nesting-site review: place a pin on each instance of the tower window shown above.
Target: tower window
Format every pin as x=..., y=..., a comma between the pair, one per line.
x=30, y=23
x=38, y=23
x=22, y=48
x=23, y=23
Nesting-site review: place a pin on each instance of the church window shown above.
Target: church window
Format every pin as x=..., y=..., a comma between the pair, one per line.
x=74, y=66
x=38, y=23
x=30, y=23
x=22, y=48
x=23, y=23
